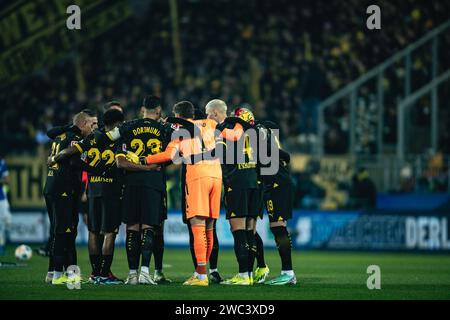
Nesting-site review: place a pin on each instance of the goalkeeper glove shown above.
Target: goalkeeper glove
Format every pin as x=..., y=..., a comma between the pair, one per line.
x=132, y=157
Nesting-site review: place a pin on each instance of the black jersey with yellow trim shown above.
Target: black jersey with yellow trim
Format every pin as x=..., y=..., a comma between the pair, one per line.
x=99, y=154
x=64, y=176
x=143, y=137
x=282, y=175
x=241, y=171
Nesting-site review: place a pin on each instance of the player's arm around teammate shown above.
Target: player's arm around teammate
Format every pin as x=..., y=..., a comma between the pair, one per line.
x=202, y=188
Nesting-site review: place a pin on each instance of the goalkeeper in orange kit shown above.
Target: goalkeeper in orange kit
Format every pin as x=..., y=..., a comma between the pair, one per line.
x=203, y=186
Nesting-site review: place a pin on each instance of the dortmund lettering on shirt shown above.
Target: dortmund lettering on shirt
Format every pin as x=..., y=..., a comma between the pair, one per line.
x=239, y=174
x=66, y=175
x=99, y=154
x=144, y=137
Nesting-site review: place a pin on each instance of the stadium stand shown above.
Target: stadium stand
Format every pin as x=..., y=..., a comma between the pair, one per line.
x=282, y=61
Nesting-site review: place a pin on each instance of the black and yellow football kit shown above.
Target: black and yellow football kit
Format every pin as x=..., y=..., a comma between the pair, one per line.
x=104, y=190
x=278, y=188
x=63, y=186
x=241, y=195
x=144, y=196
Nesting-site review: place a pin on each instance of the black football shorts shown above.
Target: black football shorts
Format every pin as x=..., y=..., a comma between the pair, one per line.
x=241, y=203
x=143, y=205
x=64, y=211
x=278, y=202
x=104, y=215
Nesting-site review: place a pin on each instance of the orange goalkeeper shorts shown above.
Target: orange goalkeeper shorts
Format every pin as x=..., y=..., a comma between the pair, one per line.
x=203, y=197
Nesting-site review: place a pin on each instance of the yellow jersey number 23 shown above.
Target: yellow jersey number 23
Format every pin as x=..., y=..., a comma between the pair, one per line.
x=153, y=146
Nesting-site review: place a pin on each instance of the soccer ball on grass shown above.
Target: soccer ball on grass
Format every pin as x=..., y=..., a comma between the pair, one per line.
x=23, y=253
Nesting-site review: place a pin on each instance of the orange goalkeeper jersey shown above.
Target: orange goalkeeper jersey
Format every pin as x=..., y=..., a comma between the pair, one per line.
x=187, y=147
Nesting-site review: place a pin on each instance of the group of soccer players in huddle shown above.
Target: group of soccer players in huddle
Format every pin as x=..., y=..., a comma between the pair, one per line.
x=125, y=163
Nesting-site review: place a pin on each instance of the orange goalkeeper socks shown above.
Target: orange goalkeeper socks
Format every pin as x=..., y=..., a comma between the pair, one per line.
x=200, y=247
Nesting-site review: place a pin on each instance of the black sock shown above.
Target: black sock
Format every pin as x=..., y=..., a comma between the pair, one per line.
x=94, y=253
x=71, y=251
x=105, y=265
x=158, y=248
x=251, y=249
x=214, y=257
x=283, y=241
x=74, y=251
x=259, y=251
x=133, y=249
x=48, y=244
x=59, y=252
x=95, y=263
x=191, y=245
x=51, y=252
x=241, y=249
x=147, y=247
x=51, y=263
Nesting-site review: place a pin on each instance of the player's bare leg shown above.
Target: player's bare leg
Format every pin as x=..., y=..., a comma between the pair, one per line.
x=133, y=248
x=284, y=245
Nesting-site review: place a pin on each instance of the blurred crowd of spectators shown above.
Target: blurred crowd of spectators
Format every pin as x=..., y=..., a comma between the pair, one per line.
x=283, y=57
x=356, y=186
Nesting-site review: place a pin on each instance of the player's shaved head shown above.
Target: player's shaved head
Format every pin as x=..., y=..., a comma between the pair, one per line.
x=217, y=105
x=85, y=121
x=216, y=110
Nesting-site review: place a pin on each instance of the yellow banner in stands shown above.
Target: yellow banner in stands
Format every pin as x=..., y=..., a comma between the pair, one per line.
x=26, y=181
x=34, y=33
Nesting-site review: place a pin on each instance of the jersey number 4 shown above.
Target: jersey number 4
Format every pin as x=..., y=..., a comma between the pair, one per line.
x=248, y=151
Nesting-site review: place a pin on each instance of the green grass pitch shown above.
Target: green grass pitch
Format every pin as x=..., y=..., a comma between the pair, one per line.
x=321, y=275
